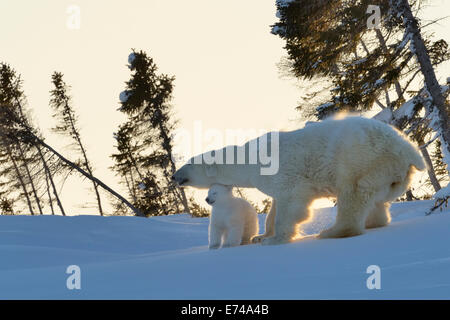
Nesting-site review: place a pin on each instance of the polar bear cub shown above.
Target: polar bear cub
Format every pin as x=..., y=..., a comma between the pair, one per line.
x=233, y=220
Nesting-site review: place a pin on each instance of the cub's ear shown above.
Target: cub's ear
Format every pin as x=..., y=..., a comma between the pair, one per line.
x=211, y=170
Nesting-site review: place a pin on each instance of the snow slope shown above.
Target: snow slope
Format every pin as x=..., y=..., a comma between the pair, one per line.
x=167, y=258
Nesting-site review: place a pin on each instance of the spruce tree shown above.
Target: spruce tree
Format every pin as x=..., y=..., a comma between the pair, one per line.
x=15, y=128
x=13, y=103
x=68, y=125
x=145, y=157
x=14, y=176
x=6, y=206
x=367, y=68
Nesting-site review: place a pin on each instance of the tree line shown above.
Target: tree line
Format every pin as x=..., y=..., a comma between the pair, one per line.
x=389, y=67
x=32, y=172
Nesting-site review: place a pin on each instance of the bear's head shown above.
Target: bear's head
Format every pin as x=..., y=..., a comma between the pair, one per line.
x=196, y=175
x=219, y=192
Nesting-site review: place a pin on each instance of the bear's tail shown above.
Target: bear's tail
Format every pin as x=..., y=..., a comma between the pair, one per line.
x=413, y=160
x=416, y=159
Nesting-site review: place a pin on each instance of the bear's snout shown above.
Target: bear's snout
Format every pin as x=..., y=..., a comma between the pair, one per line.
x=179, y=180
x=208, y=201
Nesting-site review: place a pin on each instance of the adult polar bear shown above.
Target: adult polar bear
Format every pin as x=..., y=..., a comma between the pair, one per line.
x=365, y=163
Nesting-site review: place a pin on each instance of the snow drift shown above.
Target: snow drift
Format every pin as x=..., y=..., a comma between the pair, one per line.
x=167, y=258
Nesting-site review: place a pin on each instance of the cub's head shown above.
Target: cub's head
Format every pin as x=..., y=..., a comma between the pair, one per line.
x=196, y=175
x=218, y=192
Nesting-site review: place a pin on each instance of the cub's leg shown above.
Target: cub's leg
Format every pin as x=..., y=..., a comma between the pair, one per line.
x=215, y=236
x=233, y=236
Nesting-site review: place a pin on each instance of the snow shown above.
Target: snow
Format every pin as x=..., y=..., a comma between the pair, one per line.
x=324, y=106
x=384, y=115
x=124, y=95
x=316, y=63
x=412, y=47
x=284, y=3
x=434, y=124
x=379, y=82
x=131, y=58
x=277, y=30
x=359, y=61
x=405, y=41
x=406, y=110
x=443, y=193
x=167, y=258
x=142, y=186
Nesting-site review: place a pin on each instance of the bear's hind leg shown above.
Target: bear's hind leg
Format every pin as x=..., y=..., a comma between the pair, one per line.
x=379, y=216
x=251, y=229
x=290, y=212
x=353, y=208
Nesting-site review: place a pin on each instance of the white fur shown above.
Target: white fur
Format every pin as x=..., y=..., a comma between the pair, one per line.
x=233, y=220
x=365, y=163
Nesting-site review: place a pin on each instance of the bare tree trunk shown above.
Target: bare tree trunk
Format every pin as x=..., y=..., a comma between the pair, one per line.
x=19, y=176
x=382, y=41
x=130, y=189
x=423, y=150
x=87, y=175
x=411, y=25
x=89, y=170
x=52, y=183
x=141, y=176
x=409, y=195
x=430, y=168
x=33, y=188
x=50, y=200
x=86, y=162
x=166, y=141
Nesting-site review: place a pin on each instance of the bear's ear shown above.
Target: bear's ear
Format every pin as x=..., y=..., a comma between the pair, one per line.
x=211, y=170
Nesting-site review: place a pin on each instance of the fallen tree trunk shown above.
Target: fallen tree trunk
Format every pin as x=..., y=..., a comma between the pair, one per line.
x=87, y=175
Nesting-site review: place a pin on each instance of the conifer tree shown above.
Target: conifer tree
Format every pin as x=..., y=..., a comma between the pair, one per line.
x=13, y=102
x=14, y=128
x=439, y=165
x=144, y=143
x=67, y=125
x=6, y=206
x=13, y=175
x=367, y=67
x=436, y=107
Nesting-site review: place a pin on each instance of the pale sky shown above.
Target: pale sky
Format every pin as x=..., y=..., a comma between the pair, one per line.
x=221, y=52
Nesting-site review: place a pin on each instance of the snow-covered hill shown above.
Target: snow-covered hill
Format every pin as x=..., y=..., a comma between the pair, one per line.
x=168, y=258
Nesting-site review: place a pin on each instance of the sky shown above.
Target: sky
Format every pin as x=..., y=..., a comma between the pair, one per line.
x=222, y=54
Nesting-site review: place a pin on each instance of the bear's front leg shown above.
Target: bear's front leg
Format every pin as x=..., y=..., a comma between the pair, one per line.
x=233, y=237
x=270, y=224
x=291, y=210
x=215, y=236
